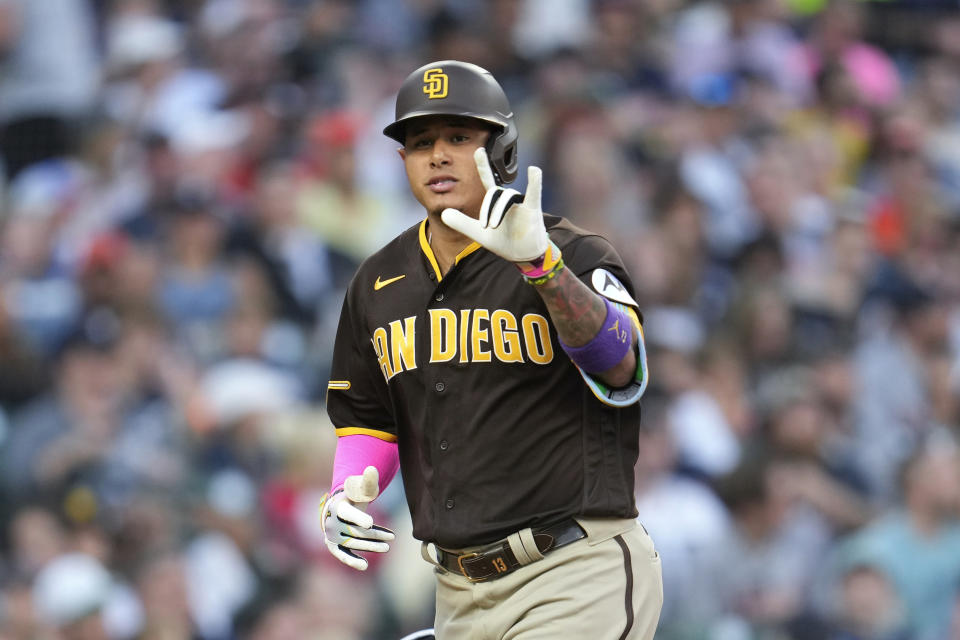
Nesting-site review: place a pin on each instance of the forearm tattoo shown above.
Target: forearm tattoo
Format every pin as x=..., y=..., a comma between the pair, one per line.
x=576, y=311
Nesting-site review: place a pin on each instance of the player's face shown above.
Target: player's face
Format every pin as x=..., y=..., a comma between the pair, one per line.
x=438, y=156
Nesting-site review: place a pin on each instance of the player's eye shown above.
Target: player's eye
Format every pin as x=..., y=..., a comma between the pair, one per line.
x=459, y=137
x=420, y=143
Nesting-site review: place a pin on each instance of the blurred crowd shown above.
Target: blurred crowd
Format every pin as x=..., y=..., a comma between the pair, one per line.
x=188, y=186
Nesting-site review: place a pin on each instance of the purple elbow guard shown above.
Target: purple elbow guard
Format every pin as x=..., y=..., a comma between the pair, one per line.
x=606, y=349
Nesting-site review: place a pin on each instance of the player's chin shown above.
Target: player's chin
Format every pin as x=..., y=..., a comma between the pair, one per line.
x=436, y=204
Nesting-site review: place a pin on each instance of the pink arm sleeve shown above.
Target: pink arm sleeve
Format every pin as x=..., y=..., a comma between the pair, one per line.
x=356, y=452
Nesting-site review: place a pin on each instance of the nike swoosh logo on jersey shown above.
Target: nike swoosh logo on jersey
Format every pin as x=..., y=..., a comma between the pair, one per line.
x=380, y=284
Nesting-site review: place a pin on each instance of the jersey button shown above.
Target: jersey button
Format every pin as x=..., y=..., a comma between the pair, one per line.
x=444, y=445
x=450, y=503
x=440, y=387
x=438, y=297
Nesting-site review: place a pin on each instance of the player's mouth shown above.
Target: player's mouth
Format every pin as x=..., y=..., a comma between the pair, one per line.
x=441, y=184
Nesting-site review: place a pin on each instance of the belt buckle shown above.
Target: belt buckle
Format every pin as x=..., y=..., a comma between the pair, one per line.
x=460, y=560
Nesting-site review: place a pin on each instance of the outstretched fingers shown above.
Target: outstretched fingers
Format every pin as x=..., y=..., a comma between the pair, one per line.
x=348, y=513
x=347, y=557
x=461, y=222
x=534, y=180
x=483, y=168
x=365, y=544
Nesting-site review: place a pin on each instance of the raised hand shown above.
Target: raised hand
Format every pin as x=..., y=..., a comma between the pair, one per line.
x=509, y=225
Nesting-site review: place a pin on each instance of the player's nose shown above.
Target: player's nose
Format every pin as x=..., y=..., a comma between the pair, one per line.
x=439, y=155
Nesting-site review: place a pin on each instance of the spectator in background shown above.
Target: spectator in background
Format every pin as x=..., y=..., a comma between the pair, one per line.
x=939, y=97
x=868, y=607
x=99, y=430
x=298, y=264
x=36, y=538
x=893, y=414
x=76, y=597
x=810, y=459
x=835, y=284
x=688, y=520
x=765, y=569
x=837, y=38
x=149, y=87
x=49, y=80
x=712, y=168
x=763, y=319
x=602, y=194
x=62, y=437
x=230, y=412
x=669, y=255
x=712, y=422
x=39, y=295
x=162, y=590
x=907, y=215
x=918, y=547
x=330, y=202
x=196, y=290
x=835, y=128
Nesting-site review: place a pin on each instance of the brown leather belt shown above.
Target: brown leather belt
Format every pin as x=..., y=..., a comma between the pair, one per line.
x=497, y=559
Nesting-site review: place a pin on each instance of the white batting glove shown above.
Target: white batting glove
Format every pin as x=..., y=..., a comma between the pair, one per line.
x=347, y=527
x=510, y=225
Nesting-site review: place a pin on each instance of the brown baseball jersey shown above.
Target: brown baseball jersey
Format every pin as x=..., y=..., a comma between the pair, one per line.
x=497, y=429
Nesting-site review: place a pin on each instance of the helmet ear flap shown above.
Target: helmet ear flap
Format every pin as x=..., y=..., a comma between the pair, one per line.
x=502, y=151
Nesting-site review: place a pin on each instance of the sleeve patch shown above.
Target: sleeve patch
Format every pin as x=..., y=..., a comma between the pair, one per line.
x=607, y=285
x=340, y=385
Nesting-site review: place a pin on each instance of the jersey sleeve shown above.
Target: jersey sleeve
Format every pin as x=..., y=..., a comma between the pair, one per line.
x=594, y=260
x=357, y=398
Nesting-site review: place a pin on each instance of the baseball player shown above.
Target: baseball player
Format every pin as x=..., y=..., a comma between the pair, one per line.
x=494, y=353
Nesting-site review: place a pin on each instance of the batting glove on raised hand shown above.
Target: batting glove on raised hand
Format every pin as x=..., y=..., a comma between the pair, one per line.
x=509, y=225
x=347, y=527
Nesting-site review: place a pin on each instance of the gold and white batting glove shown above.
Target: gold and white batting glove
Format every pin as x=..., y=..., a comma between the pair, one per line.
x=509, y=225
x=346, y=525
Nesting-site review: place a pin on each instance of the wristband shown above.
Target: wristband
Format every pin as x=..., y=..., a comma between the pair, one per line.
x=542, y=265
x=606, y=349
x=550, y=275
x=544, y=268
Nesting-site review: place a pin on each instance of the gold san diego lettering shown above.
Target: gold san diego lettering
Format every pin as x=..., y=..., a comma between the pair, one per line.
x=404, y=345
x=380, y=341
x=464, y=334
x=443, y=335
x=506, y=338
x=536, y=329
x=398, y=352
x=479, y=336
x=470, y=336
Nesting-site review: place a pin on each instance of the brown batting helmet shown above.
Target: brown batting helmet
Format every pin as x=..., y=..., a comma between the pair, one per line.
x=450, y=87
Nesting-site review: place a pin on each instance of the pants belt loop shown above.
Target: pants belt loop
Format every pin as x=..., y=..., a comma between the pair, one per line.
x=524, y=547
x=530, y=545
x=518, y=549
x=425, y=552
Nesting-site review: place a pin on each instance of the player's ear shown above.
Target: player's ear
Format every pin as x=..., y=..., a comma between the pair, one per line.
x=402, y=152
